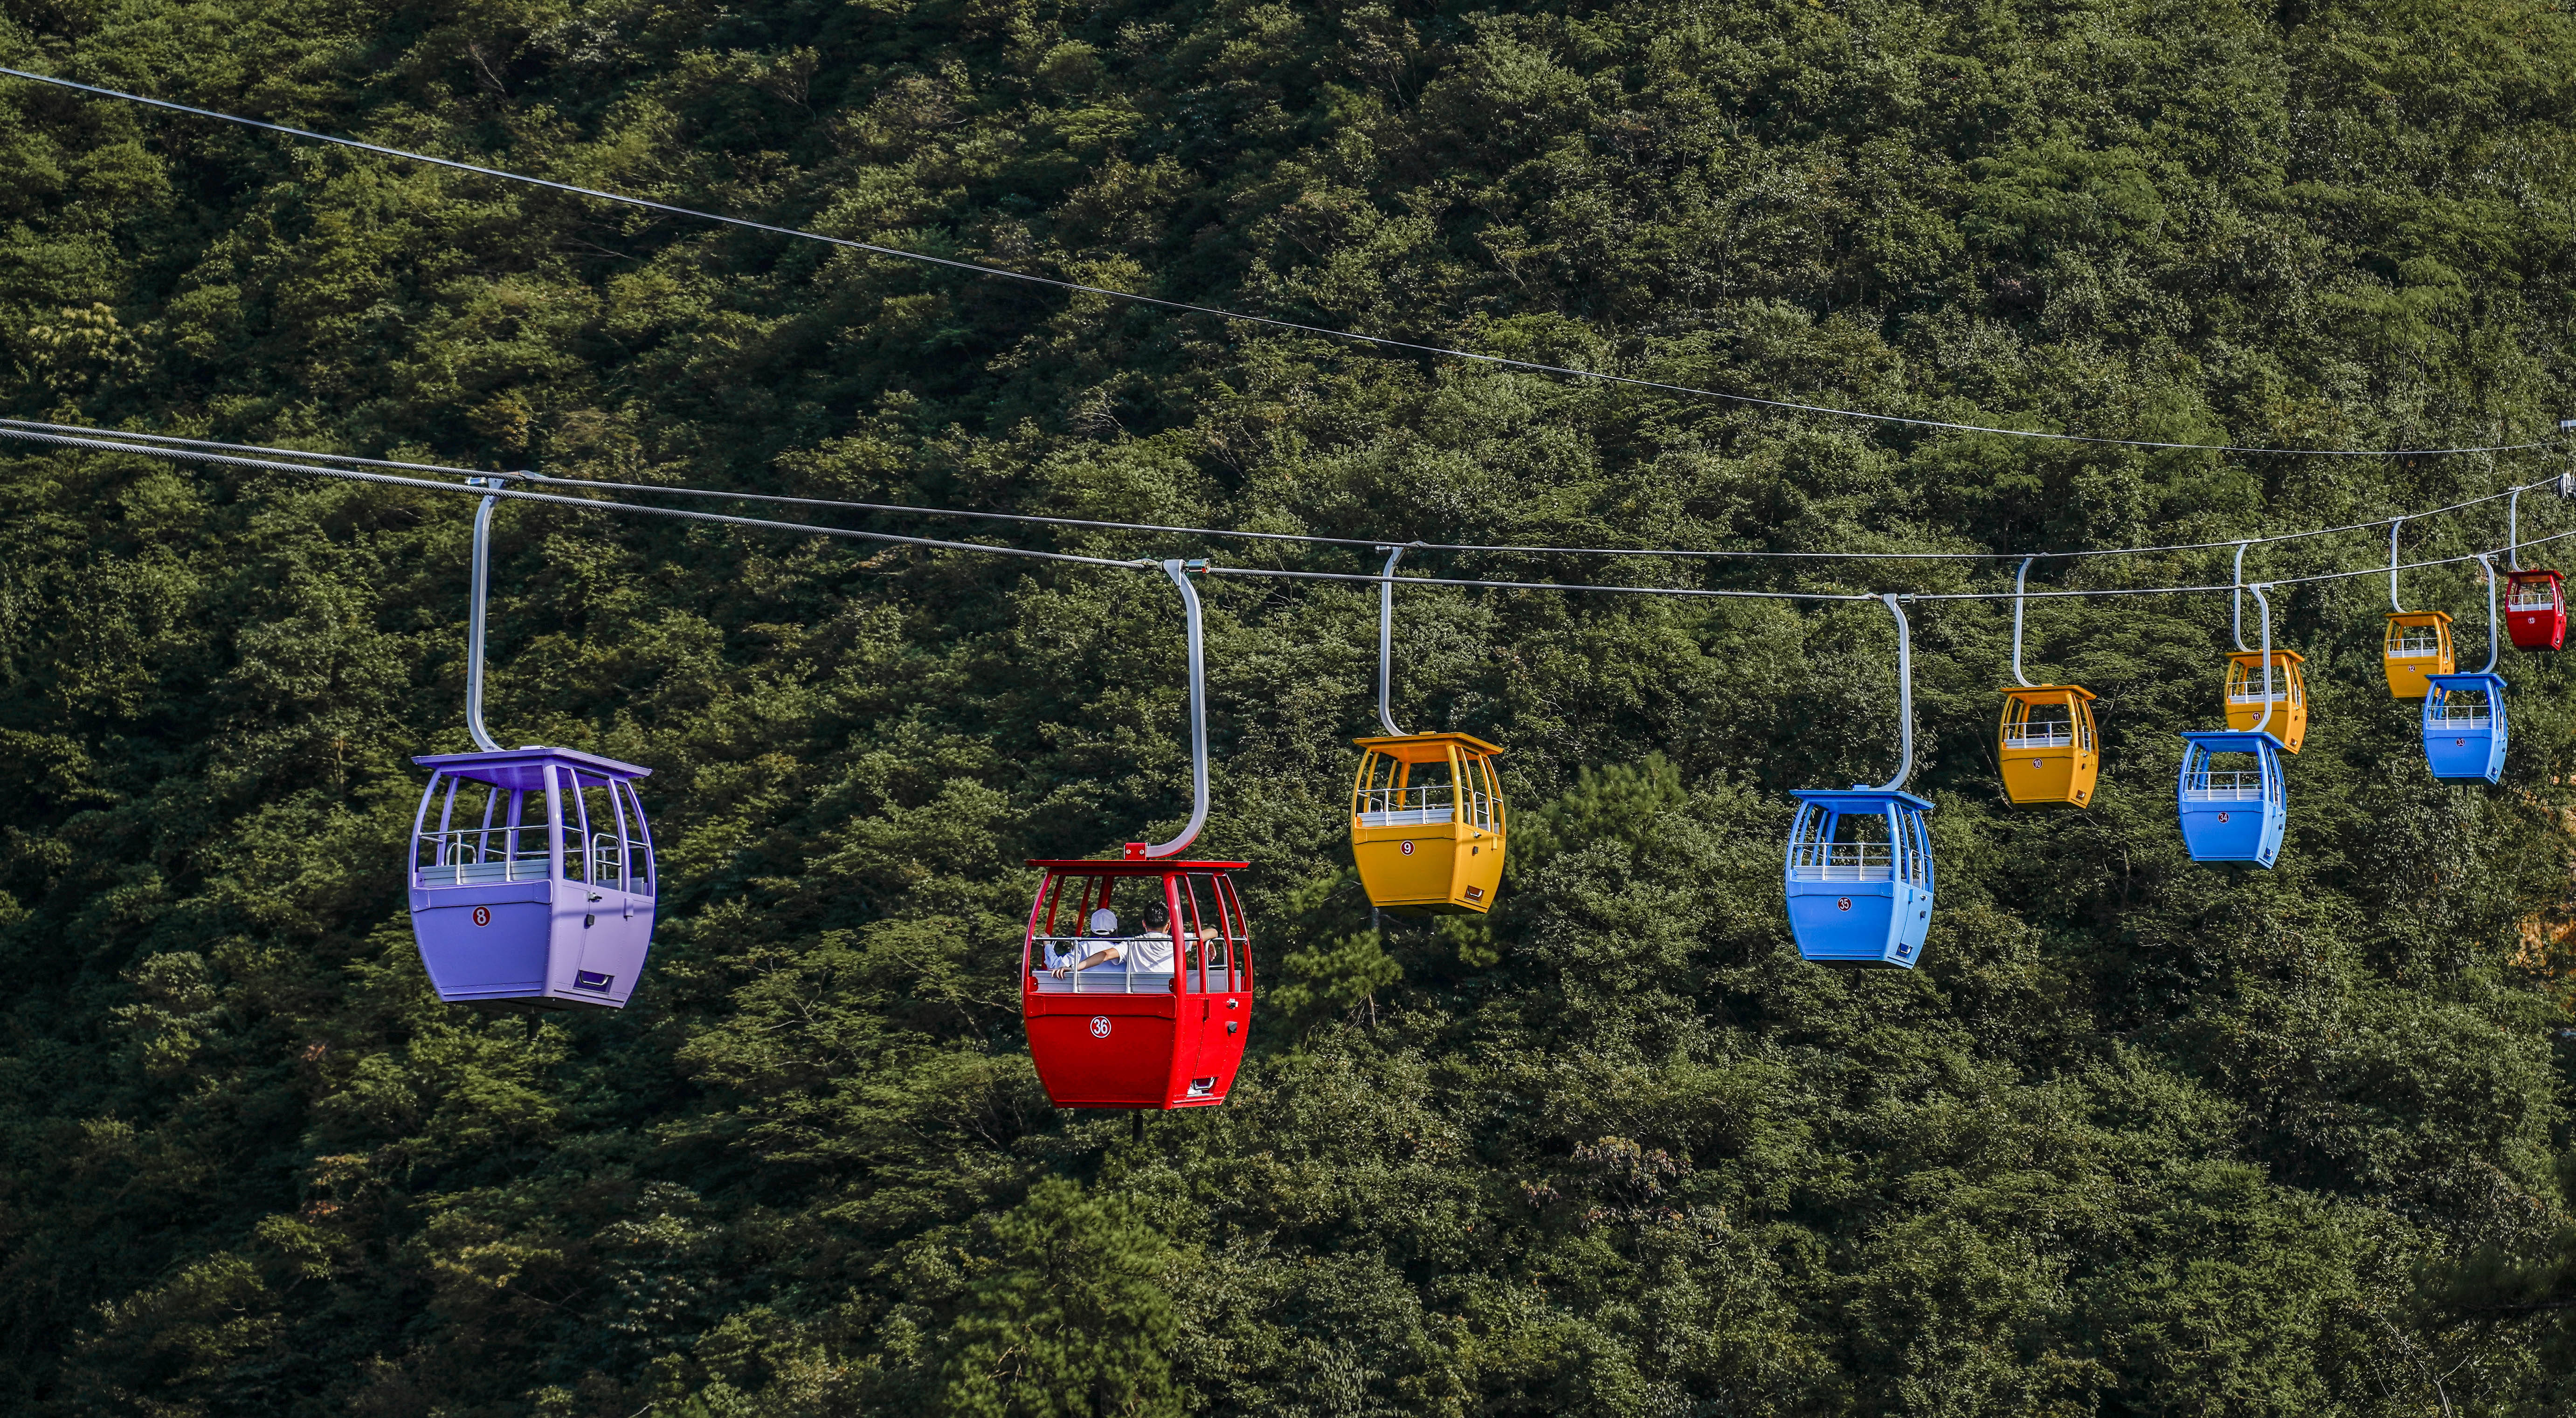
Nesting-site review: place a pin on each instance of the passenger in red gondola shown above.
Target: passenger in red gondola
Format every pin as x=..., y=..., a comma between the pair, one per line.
x=1148, y=952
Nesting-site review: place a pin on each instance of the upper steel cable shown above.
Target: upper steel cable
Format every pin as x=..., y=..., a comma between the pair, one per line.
x=593, y=504
x=1188, y=308
x=9, y=428
x=1035, y=519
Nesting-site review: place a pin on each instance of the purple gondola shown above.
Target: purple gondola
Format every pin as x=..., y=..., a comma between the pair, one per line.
x=531, y=870
x=532, y=878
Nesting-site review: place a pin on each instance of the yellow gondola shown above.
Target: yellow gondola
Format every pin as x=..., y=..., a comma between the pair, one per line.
x=1427, y=811
x=2418, y=643
x=2047, y=747
x=2289, y=701
x=1427, y=823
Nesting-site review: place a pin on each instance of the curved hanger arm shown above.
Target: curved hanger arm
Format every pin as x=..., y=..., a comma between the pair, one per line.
x=1904, y=697
x=2489, y=568
x=1178, y=571
x=481, y=593
x=2512, y=531
x=2262, y=603
x=2236, y=598
x=2392, y=565
x=1386, y=643
x=2018, y=578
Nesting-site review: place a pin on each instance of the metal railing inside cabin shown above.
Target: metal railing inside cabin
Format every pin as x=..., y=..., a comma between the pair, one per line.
x=2464, y=709
x=479, y=856
x=1123, y=976
x=2224, y=785
x=1423, y=806
x=622, y=864
x=1118, y=977
x=2245, y=686
x=2040, y=733
x=1845, y=861
x=2529, y=596
x=2416, y=642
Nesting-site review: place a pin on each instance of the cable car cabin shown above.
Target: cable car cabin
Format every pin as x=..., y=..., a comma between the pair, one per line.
x=2289, y=699
x=2233, y=801
x=532, y=879
x=2464, y=732
x=1131, y=1031
x=2418, y=645
x=1860, y=876
x=2535, y=610
x=2046, y=746
x=1427, y=824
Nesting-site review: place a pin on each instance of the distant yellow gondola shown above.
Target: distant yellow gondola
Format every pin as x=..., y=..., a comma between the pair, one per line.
x=1427, y=823
x=2418, y=644
x=2289, y=698
x=2047, y=746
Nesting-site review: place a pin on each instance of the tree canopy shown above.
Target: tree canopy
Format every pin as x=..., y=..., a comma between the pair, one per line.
x=2140, y=1136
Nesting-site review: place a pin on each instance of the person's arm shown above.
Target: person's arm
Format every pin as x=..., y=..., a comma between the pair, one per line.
x=1101, y=956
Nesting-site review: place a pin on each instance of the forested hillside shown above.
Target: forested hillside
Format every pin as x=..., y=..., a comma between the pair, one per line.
x=2140, y=1137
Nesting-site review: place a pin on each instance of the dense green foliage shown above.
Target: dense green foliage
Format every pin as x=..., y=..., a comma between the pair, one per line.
x=2140, y=1137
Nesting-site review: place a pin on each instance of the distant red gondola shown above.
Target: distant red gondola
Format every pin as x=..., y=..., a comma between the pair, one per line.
x=2535, y=610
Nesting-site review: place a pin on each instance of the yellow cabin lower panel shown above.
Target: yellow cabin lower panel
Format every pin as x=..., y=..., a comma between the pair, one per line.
x=1432, y=870
x=2406, y=677
x=2044, y=777
x=2289, y=721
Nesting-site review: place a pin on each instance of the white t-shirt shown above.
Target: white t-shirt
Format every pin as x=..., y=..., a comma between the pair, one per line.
x=1147, y=954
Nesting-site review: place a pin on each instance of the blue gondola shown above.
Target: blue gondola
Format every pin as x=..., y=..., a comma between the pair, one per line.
x=2464, y=732
x=1860, y=876
x=2233, y=808
x=2464, y=727
x=2234, y=804
x=1859, y=868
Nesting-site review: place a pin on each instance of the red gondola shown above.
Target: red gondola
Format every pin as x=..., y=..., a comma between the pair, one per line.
x=1131, y=1033
x=2535, y=610
x=1142, y=1013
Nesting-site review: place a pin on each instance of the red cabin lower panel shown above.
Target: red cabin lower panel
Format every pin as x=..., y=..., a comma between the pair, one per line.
x=2538, y=629
x=1136, y=1051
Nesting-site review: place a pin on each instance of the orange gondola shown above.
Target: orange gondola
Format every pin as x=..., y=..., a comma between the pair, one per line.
x=2417, y=644
x=2286, y=700
x=1427, y=829
x=2045, y=744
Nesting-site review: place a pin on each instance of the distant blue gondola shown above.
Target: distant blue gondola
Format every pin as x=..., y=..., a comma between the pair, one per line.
x=2464, y=713
x=2234, y=804
x=2464, y=727
x=1859, y=868
x=2234, y=809
x=1860, y=876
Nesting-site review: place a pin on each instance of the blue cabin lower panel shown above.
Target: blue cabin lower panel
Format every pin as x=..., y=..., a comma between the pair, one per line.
x=2233, y=831
x=1859, y=922
x=2465, y=755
